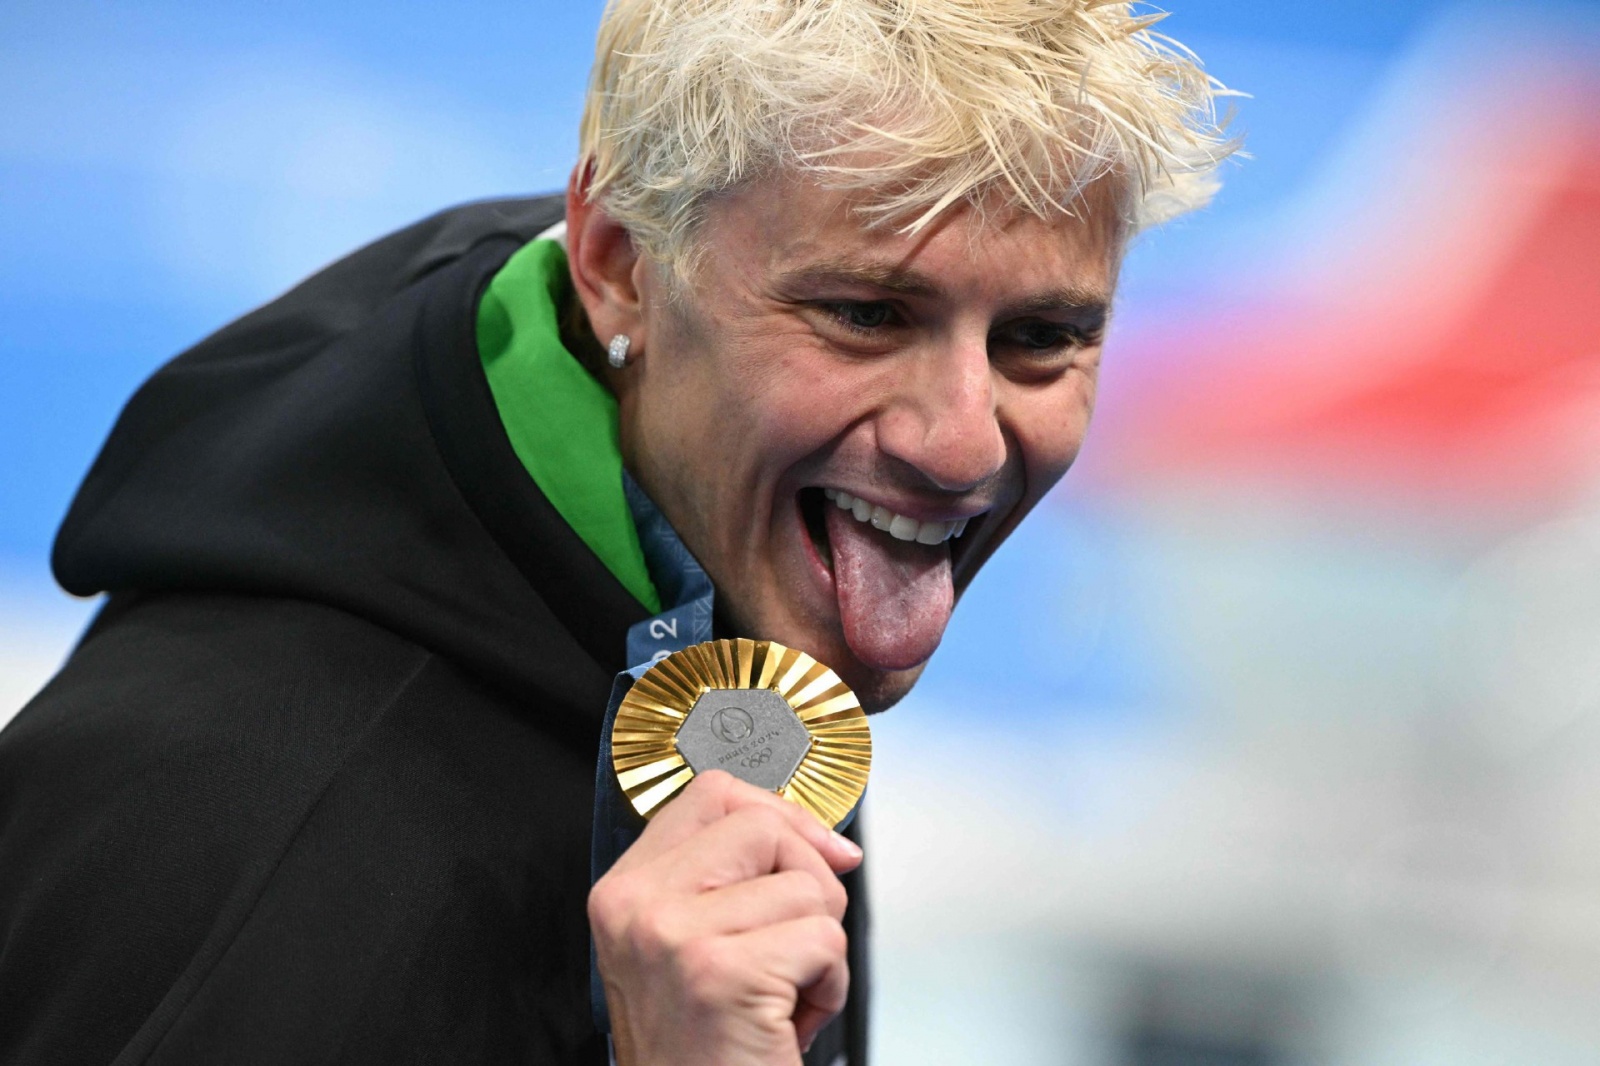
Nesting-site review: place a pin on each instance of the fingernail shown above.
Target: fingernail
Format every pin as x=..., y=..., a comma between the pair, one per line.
x=846, y=845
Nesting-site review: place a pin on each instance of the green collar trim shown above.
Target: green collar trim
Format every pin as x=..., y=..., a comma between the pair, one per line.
x=561, y=421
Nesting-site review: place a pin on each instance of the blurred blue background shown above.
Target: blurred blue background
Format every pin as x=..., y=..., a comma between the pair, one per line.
x=166, y=166
x=1272, y=739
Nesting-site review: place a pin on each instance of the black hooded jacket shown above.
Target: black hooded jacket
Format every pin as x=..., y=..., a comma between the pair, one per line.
x=316, y=785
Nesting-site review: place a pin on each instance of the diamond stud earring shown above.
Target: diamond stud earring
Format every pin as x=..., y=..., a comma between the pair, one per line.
x=617, y=350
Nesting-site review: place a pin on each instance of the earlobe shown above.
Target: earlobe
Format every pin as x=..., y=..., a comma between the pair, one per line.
x=604, y=264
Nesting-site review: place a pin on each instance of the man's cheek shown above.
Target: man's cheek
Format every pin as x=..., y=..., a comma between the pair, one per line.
x=798, y=422
x=1055, y=444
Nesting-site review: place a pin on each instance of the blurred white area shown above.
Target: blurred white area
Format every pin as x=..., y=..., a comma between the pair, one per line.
x=38, y=625
x=1372, y=840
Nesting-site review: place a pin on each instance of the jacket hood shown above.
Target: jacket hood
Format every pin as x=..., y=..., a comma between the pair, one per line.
x=341, y=445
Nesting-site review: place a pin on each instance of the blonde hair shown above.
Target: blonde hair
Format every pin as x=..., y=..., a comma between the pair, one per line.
x=920, y=104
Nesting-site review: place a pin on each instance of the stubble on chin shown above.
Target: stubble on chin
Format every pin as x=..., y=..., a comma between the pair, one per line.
x=878, y=691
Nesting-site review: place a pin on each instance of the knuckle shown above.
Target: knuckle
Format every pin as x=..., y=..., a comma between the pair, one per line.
x=812, y=893
x=767, y=821
x=654, y=935
x=703, y=969
x=607, y=904
x=835, y=898
x=830, y=935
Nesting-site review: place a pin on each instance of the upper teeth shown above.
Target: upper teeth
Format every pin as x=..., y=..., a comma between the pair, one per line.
x=898, y=526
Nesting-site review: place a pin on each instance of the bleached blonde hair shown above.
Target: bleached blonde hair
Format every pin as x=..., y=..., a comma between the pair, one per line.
x=920, y=104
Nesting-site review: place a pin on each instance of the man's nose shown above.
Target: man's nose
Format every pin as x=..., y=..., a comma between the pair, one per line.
x=944, y=420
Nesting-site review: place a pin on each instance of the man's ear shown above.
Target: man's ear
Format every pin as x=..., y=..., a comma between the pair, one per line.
x=606, y=267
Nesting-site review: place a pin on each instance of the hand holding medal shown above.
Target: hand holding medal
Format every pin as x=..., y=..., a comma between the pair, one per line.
x=731, y=895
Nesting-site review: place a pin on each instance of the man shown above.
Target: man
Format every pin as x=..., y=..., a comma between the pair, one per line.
x=821, y=310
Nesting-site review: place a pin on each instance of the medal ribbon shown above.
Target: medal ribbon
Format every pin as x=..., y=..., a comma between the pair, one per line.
x=683, y=583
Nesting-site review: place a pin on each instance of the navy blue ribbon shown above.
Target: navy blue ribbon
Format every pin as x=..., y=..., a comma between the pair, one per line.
x=683, y=583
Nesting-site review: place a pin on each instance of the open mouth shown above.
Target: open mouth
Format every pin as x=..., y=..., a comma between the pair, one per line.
x=811, y=503
x=893, y=576
x=815, y=502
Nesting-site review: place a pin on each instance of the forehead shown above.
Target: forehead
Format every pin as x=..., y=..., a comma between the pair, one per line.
x=795, y=227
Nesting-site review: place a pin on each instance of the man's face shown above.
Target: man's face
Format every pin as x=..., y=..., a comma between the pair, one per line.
x=941, y=382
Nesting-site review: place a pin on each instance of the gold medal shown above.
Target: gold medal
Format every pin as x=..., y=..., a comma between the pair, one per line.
x=767, y=714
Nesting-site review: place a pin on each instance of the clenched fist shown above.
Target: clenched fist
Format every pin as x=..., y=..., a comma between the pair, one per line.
x=718, y=933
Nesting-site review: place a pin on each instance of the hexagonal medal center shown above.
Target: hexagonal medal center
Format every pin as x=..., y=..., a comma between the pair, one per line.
x=752, y=733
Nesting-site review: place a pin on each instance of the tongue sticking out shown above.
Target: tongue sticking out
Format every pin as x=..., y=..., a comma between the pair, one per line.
x=895, y=596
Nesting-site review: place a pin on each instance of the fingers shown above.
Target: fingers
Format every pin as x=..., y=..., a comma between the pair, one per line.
x=720, y=929
x=750, y=868
x=713, y=796
x=750, y=905
x=674, y=925
x=747, y=843
x=808, y=954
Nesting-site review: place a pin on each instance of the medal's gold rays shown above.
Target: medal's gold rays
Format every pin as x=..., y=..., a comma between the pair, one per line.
x=833, y=772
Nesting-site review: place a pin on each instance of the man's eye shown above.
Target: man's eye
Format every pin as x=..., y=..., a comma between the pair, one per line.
x=1040, y=336
x=862, y=317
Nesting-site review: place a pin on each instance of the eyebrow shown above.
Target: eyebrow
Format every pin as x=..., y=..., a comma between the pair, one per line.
x=1085, y=303
x=1091, y=307
x=903, y=280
